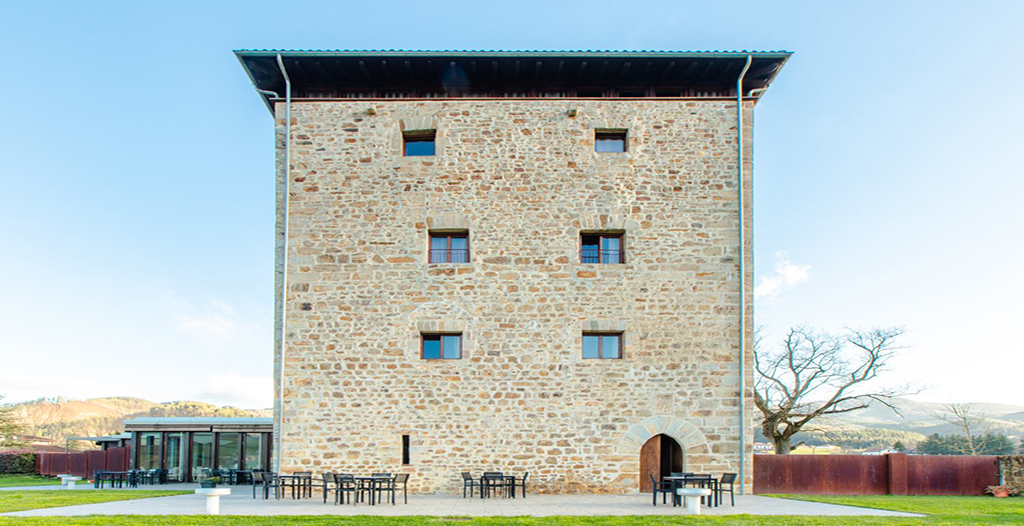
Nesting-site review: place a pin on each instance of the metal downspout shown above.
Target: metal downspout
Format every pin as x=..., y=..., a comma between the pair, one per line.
x=284, y=261
x=743, y=280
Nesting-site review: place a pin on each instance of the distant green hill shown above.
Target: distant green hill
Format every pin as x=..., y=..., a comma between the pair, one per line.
x=877, y=426
x=59, y=418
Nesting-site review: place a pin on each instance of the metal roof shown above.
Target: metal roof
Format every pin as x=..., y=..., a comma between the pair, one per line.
x=509, y=53
x=105, y=438
x=459, y=73
x=199, y=420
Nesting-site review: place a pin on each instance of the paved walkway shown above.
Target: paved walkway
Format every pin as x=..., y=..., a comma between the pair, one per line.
x=240, y=502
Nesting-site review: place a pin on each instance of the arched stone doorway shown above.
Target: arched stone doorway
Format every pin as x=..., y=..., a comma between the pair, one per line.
x=659, y=456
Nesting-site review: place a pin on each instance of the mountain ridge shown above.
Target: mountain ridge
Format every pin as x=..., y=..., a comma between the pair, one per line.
x=60, y=418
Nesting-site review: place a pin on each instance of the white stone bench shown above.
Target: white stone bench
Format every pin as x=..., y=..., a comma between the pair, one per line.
x=68, y=480
x=691, y=498
x=213, y=496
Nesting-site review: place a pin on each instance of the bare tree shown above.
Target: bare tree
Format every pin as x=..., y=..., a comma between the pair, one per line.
x=815, y=374
x=10, y=425
x=970, y=422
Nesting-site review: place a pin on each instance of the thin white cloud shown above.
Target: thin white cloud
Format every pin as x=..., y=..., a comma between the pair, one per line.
x=216, y=325
x=232, y=388
x=785, y=276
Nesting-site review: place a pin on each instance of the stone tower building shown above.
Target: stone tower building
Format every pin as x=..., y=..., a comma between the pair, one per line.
x=513, y=261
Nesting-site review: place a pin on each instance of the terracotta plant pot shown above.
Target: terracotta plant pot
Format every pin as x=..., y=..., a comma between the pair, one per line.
x=1001, y=493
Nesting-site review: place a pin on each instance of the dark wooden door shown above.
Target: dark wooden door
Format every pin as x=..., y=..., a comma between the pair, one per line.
x=650, y=463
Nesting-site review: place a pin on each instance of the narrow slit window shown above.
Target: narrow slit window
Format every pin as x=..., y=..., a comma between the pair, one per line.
x=418, y=143
x=405, y=450
x=441, y=346
x=607, y=346
x=609, y=141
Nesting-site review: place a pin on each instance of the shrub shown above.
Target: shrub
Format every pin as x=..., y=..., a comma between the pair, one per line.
x=17, y=461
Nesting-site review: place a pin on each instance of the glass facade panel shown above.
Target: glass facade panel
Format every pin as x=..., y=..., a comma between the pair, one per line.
x=149, y=450
x=174, y=459
x=202, y=455
x=227, y=450
x=253, y=451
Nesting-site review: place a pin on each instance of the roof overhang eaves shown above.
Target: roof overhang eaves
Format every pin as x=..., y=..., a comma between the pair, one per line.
x=508, y=54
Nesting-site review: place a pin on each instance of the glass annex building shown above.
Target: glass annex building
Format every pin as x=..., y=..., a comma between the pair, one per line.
x=185, y=447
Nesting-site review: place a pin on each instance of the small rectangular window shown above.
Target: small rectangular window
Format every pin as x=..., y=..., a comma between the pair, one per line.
x=603, y=345
x=449, y=247
x=601, y=248
x=442, y=346
x=608, y=141
x=405, y=450
x=418, y=143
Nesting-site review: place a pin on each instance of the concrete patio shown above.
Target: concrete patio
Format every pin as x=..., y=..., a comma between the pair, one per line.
x=240, y=502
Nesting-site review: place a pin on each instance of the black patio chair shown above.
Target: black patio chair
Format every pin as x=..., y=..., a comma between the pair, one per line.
x=384, y=487
x=328, y=484
x=665, y=488
x=98, y=477
x=469, y=482
x=403, y=480
x=344, y=483
x=267, y=481
x=492, y=480
x=519, y=483
x=257, y=480
x=730, y=479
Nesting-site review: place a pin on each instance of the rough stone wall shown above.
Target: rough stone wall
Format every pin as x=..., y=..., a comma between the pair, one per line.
x=523, y=178
x=1011, y=470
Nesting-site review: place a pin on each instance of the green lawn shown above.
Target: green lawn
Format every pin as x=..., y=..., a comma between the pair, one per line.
x=13, y=481
x=940, y=510
x=35, y=499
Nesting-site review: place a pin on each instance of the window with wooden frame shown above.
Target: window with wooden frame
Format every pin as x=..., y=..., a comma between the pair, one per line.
x=449, y=247
x=602, y=248
x=609, y=141
x=441, y=346
x=602, y=345
x=418, y=143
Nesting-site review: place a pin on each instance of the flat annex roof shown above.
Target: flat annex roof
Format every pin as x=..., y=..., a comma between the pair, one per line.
x=520, y=74
x=199, y=423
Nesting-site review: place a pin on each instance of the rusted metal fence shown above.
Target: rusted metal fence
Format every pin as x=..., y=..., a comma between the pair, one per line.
x=83, y=464
x=894, y=474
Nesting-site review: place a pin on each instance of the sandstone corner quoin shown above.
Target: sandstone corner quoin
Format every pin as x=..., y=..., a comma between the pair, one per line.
x=515, y=178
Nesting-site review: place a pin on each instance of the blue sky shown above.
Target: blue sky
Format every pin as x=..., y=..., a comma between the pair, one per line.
x=137, y=168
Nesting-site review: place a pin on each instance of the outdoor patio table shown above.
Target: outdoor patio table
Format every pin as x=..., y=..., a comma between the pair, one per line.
x=300, y=482
x=371, y=483
x=697, y=479
x=116, y=478
x=487, y=482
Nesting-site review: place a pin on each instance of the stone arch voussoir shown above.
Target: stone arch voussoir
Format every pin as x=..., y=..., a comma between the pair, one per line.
x=689, y=437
